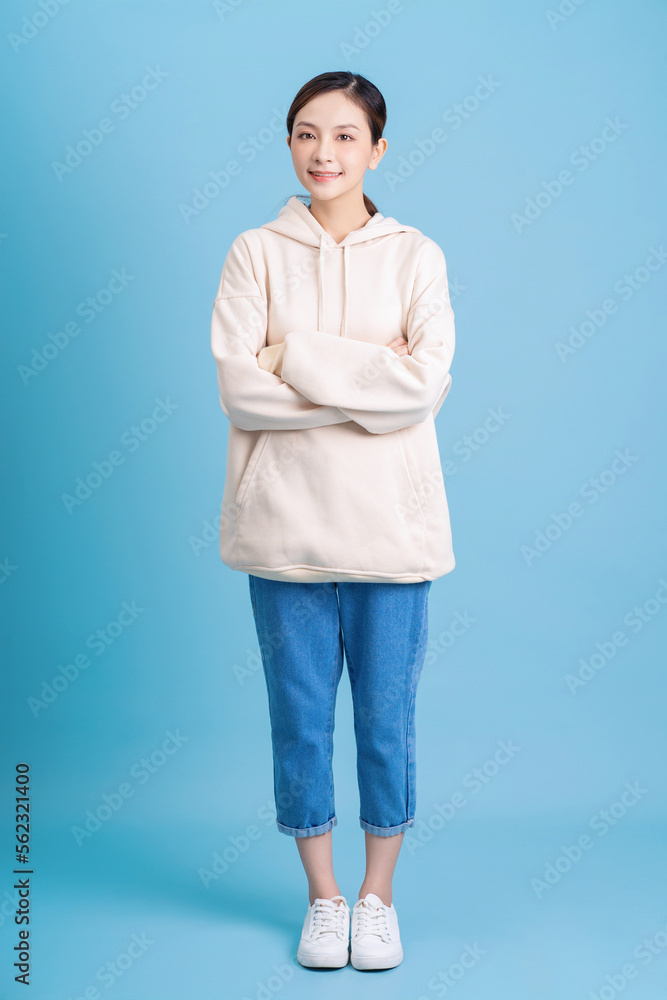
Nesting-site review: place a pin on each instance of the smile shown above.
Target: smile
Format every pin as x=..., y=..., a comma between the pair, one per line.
x=321, y=175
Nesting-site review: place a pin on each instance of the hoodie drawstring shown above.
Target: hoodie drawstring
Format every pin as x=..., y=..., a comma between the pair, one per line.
x=320, y=298
x=343, y=331
x=321, y=310
x=296, y=222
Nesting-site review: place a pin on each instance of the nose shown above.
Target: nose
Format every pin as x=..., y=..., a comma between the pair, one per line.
x=323, y=152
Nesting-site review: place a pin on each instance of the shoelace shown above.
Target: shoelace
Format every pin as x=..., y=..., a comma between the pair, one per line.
x=371, y=920
x=329, y=917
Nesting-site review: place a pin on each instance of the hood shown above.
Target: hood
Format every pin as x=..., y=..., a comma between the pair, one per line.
x=296, y=221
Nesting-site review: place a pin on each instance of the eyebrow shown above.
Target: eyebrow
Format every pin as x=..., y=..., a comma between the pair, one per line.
x=349, y=125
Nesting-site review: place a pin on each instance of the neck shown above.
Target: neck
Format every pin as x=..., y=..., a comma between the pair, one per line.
x=340, y=217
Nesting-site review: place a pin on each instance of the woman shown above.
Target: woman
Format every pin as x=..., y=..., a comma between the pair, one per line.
x=333, y=336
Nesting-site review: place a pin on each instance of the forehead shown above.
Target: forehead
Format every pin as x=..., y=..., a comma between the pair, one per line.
x=332, y=109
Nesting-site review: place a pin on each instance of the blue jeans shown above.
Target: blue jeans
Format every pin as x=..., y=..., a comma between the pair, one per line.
x=303, y=630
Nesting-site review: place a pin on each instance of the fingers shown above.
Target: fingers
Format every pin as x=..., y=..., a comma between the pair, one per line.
x=399, y=345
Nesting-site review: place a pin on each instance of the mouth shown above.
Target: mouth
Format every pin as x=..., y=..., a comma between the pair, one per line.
x=324, y=175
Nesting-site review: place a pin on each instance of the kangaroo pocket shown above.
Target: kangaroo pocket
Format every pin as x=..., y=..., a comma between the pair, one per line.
x=332, y=497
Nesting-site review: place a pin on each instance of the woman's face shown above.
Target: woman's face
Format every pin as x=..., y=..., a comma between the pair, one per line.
x=331, y=146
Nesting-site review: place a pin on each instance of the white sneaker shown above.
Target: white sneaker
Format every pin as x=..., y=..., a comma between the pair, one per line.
x=325, y=935
x=376, y=941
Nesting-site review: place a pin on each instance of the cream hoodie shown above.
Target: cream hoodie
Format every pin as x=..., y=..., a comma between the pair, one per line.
x=333, y=471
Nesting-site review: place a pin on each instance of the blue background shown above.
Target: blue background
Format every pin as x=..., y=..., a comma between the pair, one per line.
x=187, y=662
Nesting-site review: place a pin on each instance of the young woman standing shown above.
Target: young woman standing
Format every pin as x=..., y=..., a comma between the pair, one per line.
x=333, y=335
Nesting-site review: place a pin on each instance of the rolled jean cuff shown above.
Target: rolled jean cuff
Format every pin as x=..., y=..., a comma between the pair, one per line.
x=386, y=831
x=309, y=831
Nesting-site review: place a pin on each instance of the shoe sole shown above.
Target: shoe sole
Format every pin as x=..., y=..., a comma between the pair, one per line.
x=324, y=961
x=368, y=962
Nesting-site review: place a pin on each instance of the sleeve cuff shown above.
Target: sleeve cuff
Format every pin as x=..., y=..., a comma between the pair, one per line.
x=271, y=358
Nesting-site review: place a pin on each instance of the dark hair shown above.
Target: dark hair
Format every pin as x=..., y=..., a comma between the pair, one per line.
x=359, y=90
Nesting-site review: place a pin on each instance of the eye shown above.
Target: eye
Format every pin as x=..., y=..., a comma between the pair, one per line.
x=301, y=134
x=345, y=136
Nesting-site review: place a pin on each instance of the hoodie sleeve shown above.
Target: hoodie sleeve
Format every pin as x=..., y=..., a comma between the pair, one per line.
x=370, y=382
x=252, y=397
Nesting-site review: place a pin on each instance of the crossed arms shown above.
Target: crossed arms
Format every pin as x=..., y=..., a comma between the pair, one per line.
x=313, y=379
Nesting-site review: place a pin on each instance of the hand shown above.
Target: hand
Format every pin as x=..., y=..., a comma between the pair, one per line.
x=399, y=345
